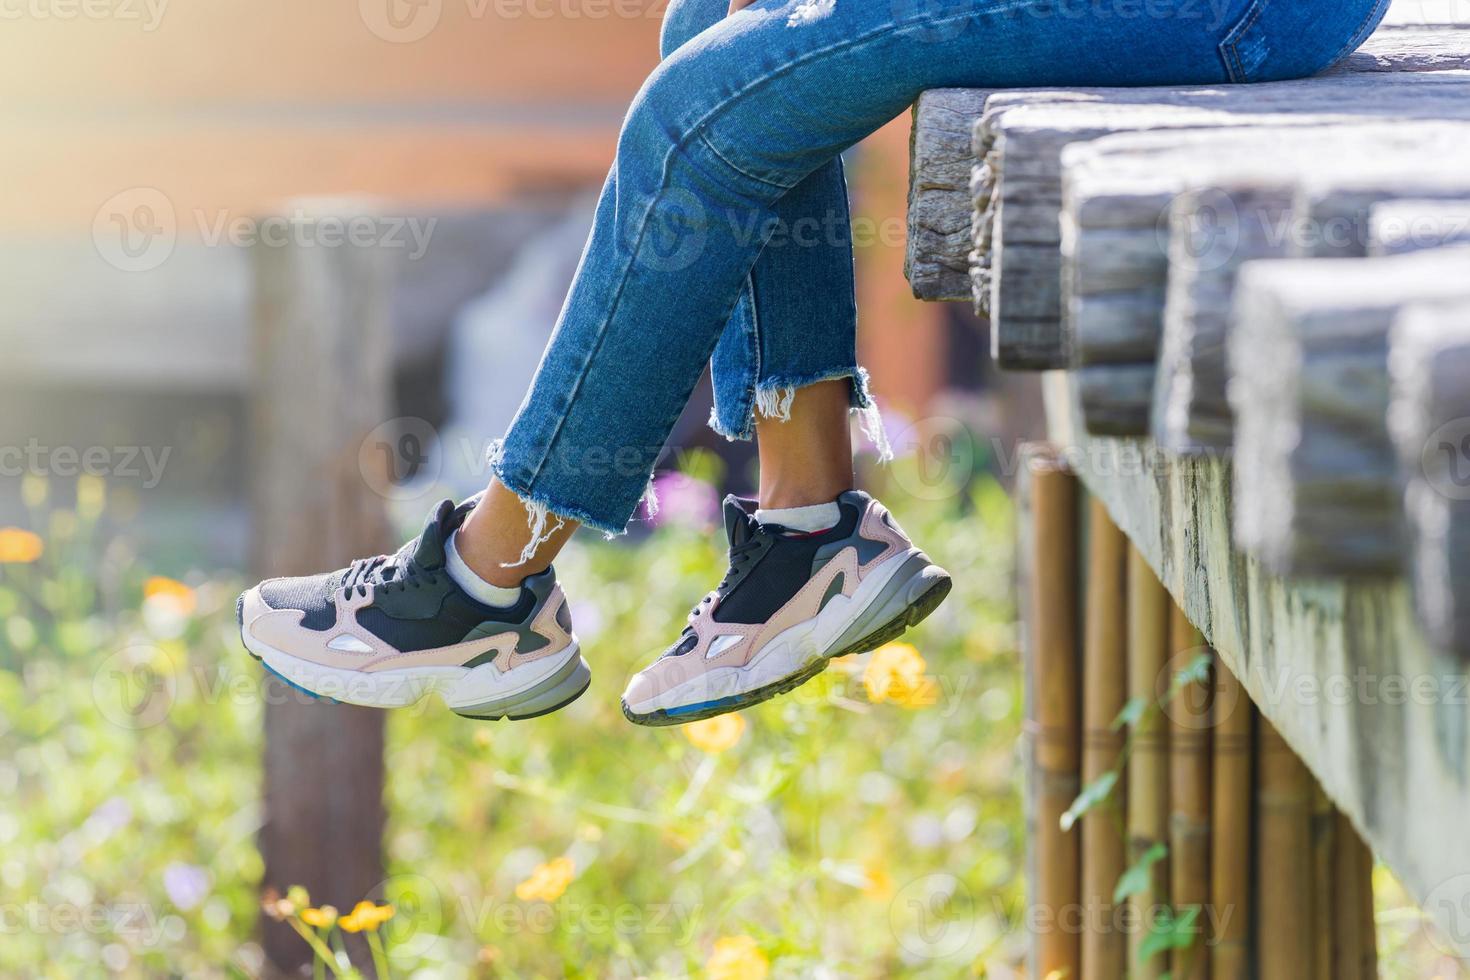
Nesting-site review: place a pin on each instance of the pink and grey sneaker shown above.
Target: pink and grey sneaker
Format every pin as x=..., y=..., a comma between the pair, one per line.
x=386, y=631
x=790, y=602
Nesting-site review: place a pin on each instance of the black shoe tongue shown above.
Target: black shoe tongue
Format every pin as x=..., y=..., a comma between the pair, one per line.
x=739, y=524
x=429, y=553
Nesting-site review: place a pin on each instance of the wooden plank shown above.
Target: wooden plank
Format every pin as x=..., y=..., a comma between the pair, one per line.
x=937, y=257
x=1338, y=666
x=321, y=383
x=1430, y=423
x=1155, y=227
x=1402, y=226
x=941, y=230
x=1316, y=478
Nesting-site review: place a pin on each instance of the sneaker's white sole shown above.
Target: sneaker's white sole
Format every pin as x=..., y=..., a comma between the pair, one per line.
x=882, y=601
x=485, y=691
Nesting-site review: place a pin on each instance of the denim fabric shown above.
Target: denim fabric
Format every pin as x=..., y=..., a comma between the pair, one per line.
x=735, y=138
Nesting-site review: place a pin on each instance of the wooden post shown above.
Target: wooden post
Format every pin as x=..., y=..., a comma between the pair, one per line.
x=1355, y=948
x=1324, y=856
x=1189, y=799
x=1049, y=551
x=322, y=383
x=1230, y=831
x=1283, y=860
x=1148, y=772
x=1105, y=682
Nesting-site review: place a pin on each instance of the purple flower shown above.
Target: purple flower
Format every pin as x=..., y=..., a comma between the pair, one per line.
x=187, y=884
x=684, y=500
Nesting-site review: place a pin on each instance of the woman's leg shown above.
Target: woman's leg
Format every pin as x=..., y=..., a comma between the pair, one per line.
x=729, y=125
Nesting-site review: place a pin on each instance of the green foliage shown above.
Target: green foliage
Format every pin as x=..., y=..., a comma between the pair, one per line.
x=1135, y=880
x=869, y=839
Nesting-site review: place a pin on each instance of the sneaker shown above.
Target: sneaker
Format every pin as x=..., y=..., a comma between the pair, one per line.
x=386, y=631
x=790, y=602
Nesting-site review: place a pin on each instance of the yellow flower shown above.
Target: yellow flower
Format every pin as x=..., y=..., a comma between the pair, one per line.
x=896, y=673
x=19, y=547
x=879, y=883
x=169, y=592
x=715, y=735
x=322, y=918
x=365, y=916
x=737, y=958
x=91, y=496
x=548, y=881
x=34, y=489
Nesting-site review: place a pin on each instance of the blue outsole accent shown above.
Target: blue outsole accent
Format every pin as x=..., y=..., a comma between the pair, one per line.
x=687, y=709
x=292, y=684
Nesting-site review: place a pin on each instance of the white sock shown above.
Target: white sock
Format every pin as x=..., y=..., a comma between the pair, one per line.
x=814, y=517
x=464, y=576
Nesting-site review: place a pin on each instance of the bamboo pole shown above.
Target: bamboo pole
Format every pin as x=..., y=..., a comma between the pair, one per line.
x=1283, y=859
x=1105, y=682
x=1230, y=836
x=1355, y=946
x=1049, y=495
x=1189, y=799
x=1324, y=857
x=1148, y=772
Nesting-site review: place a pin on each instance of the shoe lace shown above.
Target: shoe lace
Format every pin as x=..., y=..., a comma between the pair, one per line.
x=387, y=572
x=740, y=556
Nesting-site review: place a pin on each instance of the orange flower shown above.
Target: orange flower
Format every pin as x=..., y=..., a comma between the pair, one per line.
x=715, y=735
x=321, y=918
x=170, y=592
x=896, y=672
x=737, y=958
x=365, y=916
x=18, y=547
x=548, y=881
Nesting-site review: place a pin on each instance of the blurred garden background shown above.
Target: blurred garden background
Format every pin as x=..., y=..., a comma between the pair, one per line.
x=867, y=825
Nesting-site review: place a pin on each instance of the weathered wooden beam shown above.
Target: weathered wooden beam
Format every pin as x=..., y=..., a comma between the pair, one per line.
x=1395, y=227
x=941, y=237
x=937, y=259
x=1316, y=478
x=1430, y=422
x=1186, y=209
x=1338, y=666
x=1021, y=139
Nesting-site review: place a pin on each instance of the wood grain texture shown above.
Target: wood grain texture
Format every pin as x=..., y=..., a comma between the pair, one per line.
x=1232, y=798
x=1317, y=487
x=1429, y=419
x=322, y=383
x=1148, y=770
x=941, y=236
x=1155, y=227
x=1398, y=766
x=1049, y=556
x=1104, y=687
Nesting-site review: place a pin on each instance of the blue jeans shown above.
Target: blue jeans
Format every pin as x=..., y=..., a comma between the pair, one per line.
x=722, y=235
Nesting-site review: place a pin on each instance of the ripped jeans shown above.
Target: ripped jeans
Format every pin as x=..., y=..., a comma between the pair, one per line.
x=722, y=231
